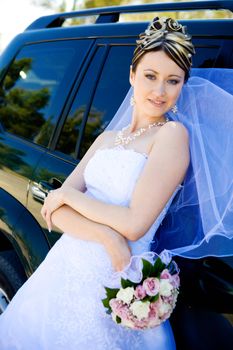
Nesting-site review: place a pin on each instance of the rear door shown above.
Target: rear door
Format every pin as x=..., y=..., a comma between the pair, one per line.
x=98, y=92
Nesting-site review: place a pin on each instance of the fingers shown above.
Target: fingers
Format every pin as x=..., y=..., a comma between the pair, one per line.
x=46, y=214
x=48, y=220
x=119, y=253
x=119, y=262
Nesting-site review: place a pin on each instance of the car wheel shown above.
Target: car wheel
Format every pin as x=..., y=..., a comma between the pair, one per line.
x=12, y=277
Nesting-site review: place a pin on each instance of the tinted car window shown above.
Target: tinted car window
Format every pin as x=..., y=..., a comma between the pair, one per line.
x=29, y=88
x=71, y=129
x=112, y=88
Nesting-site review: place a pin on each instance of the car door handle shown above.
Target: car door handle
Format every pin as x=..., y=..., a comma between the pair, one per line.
x=41, y=189
x=47, y=186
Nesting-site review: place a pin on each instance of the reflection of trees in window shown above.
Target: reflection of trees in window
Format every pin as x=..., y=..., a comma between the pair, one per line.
x=93, y=128
x=45, y=132
x=22, y=65
x=70, y=132
x=20, y=108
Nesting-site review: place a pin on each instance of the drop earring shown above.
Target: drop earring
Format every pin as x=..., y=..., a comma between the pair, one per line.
x=132, y=101
x=174, y=109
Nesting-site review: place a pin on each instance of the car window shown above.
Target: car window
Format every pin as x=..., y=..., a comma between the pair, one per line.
x=67, y=142
x=112, y=87
x=29, y=89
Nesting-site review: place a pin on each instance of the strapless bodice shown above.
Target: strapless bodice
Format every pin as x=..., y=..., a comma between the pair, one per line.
x=111, y=175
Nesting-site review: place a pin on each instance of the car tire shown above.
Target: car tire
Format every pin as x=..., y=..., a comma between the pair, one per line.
x=12, y=277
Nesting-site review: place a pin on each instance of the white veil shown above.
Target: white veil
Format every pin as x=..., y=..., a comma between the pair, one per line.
x=199, y=221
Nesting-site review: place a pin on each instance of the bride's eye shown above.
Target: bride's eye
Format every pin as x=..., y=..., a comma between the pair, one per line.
x=150, y=76
x=173, y=81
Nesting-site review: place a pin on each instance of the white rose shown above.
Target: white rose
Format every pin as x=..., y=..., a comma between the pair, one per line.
x=125, y=294
x=127, y=323
x=165, y=288
x=164, y=308
x=140, y=309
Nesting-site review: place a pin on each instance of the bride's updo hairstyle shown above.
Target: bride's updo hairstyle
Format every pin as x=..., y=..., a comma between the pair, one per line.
x=169, y=36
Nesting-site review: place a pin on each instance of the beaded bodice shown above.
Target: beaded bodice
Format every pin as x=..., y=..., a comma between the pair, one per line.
x=111, y=175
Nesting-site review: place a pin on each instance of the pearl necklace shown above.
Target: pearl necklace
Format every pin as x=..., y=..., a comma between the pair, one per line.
x=124, y=140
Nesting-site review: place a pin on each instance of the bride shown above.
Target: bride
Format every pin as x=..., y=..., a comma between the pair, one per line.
x=109, y=209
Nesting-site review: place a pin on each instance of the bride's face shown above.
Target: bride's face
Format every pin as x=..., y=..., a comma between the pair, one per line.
x=157, y=82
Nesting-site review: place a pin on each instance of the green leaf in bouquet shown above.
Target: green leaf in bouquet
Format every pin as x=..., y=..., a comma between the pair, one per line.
x=111, y=292
x=158, y=267
x=154, y=298
x=118, y=319
x=151, y=299
x=127, y=283
x=106, y=303
x=147, y=269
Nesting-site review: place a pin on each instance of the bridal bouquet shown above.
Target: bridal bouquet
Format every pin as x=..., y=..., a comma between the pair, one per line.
x=150, y=301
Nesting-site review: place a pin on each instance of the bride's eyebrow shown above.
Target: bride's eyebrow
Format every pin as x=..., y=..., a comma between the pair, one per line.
x=154, y=71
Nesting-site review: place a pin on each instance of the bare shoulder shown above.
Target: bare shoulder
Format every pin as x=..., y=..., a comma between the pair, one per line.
x=173, y=132
x=171, y=144
x=104, y=139
x=175, y=128
x=108, y=135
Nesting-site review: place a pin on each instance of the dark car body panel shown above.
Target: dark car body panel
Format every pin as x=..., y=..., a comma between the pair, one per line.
x=83, y=102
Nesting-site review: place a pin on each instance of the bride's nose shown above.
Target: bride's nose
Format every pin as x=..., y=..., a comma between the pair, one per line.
x=159, y=89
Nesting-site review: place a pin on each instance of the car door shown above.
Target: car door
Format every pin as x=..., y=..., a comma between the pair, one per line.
x=98, y=92
x=32, y=94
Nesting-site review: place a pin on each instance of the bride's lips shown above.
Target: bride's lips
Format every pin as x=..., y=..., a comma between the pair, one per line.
x=156, y=103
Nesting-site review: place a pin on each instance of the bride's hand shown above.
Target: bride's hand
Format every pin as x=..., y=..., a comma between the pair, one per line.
x=119, y=252
x=53, y=201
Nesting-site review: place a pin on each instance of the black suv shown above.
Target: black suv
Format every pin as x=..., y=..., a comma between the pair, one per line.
x=59, y=88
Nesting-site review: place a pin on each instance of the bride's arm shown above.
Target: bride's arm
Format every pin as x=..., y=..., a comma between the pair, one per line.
x=164, y=171
x=70, y=221
x=74, y=224
x=75, y=180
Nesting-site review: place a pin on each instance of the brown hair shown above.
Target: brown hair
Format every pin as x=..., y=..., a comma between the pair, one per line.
x=170, y=36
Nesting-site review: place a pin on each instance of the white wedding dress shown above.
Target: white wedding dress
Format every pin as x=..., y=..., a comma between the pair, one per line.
x=60, y=307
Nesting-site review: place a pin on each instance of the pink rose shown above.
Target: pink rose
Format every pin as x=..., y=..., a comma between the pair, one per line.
x=153, y=321
x=169, y=299
x=115, y=305
x=154, y=309
x=141, y=324
x=175, y=280
x=119, y=308
x=123, y=312
x=140, y=292
x=151, y=286
x=165, y=274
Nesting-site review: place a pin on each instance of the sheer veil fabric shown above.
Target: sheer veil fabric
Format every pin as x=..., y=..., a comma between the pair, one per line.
x=199, y=221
